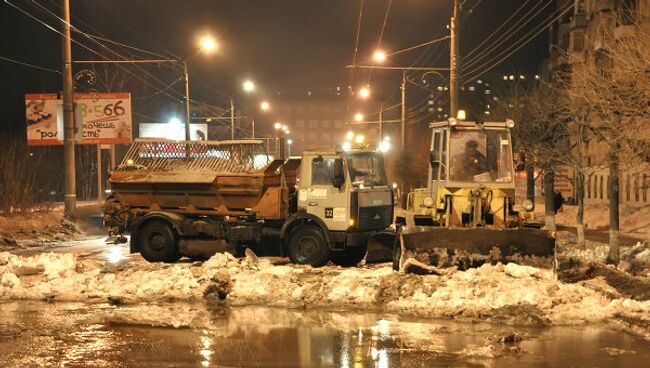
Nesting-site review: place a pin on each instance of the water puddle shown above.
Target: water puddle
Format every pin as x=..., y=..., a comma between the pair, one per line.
x=172, y=335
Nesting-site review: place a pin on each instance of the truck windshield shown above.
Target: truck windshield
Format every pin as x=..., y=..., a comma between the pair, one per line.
x=480, y=156
x=366, y=168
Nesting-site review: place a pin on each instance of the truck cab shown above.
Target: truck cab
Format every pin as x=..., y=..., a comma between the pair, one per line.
x=346, y=194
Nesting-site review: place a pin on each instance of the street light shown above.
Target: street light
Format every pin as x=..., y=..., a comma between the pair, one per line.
x=364, y=92
x=379, y=56
x=208, y=44
x=265, y=106
x=249, y=86
x=358, y=117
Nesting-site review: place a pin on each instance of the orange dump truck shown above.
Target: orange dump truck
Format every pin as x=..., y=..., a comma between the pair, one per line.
x=197, y=198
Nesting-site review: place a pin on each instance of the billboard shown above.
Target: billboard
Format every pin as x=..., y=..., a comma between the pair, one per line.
x=104, y=118
x=44, y=119
x=198, y=132
x=100, y=118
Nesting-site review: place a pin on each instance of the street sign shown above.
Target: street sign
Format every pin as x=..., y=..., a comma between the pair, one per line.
x=101, y=118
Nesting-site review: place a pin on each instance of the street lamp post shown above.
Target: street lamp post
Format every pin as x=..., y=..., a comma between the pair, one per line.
x=281, y=130
x=187, y=101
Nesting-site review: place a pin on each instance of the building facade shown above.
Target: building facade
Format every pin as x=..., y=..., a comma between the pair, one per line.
x=578, y=37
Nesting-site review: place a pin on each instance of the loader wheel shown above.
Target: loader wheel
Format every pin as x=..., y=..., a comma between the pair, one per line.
x=307, y=246
x=349, y=257
x=157, y=242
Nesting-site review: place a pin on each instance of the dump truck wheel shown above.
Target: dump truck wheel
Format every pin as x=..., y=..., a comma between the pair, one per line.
x=308, y=246
x=157, y=242
x=349, y=257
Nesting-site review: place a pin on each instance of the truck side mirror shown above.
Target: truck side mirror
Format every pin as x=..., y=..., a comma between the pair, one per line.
x=339, y=176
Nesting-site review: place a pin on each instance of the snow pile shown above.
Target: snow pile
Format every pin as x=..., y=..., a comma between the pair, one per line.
x=509, y=293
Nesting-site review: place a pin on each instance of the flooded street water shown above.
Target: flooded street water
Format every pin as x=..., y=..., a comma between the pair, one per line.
x=75, y=334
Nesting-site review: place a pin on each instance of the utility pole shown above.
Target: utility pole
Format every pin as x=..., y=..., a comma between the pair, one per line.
x=381, y=122
x=187, y=101
x=70, y=185
x=232, y=119
x=403, y=140
x=454, y=64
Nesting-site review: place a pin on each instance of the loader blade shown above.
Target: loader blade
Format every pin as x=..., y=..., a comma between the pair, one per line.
x=381, y=247
x=466, y=248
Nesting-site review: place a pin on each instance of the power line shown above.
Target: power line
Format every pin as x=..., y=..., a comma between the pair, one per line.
x=105, y=47
x=381, y=34
x=474, y=7
x=521, y=44
x=48, y=26
x=354, y=56
x=503, y=24
x=485, y=53
x=29, y=65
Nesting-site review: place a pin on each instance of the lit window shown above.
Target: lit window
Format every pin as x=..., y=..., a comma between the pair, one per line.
x=479, y=81
x=440, y=88
x=522, y=77
x=536, y=76
x=511, y=77
x=487, y=92
x=472, y=88
x=505, y=77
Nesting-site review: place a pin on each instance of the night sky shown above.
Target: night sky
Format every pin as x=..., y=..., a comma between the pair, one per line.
x=282, y=45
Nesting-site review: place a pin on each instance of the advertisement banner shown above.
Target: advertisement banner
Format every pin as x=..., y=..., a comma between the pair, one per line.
x=198, y=132
x=44, y=119
x=104, y=118
x=100, y=118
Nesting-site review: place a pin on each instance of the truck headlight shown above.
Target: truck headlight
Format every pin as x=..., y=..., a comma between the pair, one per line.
x=528, y=205
x=428, y=202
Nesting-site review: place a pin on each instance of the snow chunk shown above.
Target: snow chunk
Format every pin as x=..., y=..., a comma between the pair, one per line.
x=517, y=271
x=9, y=280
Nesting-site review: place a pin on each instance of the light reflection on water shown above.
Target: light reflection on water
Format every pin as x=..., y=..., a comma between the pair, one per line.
x=71, y=334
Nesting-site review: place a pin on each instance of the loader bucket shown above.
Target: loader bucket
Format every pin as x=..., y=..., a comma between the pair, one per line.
x=472, y=247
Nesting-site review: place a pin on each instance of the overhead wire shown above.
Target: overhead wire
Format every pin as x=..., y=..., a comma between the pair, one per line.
x=469, y=62
x=160, y=90
x=496, y=31
x=29, y=65
x=518, y=45
x=381, y=35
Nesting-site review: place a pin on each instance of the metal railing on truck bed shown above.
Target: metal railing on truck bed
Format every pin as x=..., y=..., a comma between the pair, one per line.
x=183, y=161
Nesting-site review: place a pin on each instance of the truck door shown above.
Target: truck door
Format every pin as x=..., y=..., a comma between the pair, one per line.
x=321, y=198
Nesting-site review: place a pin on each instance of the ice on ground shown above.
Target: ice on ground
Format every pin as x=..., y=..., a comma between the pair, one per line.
x=503, y=293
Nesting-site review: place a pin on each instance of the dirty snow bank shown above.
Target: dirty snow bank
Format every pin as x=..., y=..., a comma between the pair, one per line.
x=36, y=228
x=501, y=293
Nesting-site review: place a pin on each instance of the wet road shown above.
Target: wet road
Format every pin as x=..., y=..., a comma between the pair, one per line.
x=75, y=335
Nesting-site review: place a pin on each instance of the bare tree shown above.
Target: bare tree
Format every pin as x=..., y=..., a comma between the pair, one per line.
x=613, y=84
x=26, y=177
x=540, y=131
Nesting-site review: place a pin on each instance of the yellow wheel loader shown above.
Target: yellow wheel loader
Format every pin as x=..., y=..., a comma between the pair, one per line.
x=467, y=215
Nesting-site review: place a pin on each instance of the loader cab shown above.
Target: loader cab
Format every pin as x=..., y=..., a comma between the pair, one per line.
x=348, y=191
x=470, y=176
x=471, y=154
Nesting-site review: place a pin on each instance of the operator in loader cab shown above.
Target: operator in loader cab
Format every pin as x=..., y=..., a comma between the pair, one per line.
x=468, y=164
